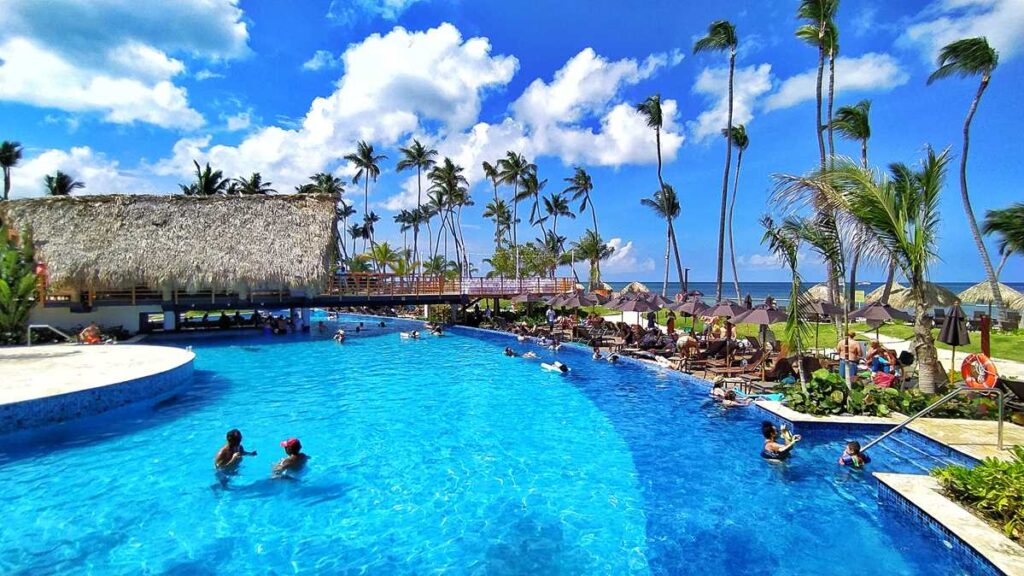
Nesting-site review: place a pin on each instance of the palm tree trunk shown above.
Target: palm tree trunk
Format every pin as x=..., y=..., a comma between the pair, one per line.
x=888, y=282
x=416, y=227
x=852, y=288
x=462, y=240
x=864, y=153
x=366, y=205
x=515, y=222
x=7, y=182
x=725, y=183
x=821, y=71
x=593, y=213
x=668, y=246
x=675, y=250
x=930, y=372
x=430, y=236
x=732, y=206
x=657, y=142
x=831, y=95
x=1002, y=262
x=990, y=273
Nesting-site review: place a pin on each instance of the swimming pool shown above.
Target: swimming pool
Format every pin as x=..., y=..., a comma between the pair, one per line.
x=441, y=455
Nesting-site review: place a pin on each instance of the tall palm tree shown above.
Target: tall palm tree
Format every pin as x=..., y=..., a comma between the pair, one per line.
x=404, y=220
x=721, y=37
x=449, y=191
x=356, y=232
x=493, y=174
x=369, y=221
x=665, y=204
x=555, y=205
x=591, y=248
x=421, y=158
x=343, y=212
x=10, y=154
x=820, y=16
x=384, y=256
x=580, y=186
x=499, y=211
x=650, y=109
x=784, y=242
x=323, y=183
x=738, y=136
x=532, y=188
x=61, y=184
x=971, y=57
x=513, y=169
x=367, y=164
x=854, y=123
x=253, y=185
x=209, y=182
x=1008, y=223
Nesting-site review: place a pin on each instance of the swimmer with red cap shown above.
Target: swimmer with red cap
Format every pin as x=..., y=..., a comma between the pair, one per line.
x=295, y=459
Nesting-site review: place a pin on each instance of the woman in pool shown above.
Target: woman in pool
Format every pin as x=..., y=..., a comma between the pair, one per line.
x=230, y=454
x=339, y=336
x=718, y=389
x=772, y=449
x=293, y=462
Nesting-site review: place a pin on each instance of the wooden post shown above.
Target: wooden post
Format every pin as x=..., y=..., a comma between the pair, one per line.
x=986, y=345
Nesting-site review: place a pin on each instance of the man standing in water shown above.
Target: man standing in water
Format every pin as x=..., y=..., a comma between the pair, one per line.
x=230, y=455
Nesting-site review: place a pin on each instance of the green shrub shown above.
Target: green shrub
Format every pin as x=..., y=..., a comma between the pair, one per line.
x=994, y=489
x=826, y=393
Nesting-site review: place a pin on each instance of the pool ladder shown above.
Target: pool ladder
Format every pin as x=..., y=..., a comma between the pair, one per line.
x=960, y=390
x=28, y=332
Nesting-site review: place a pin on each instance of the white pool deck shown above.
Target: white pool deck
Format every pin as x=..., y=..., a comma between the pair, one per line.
x=31, y=373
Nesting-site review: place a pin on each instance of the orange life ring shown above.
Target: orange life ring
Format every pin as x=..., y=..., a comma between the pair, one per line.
x=979, y=371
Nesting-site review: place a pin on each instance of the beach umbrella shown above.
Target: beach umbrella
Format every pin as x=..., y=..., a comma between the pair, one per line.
x=529, y=298
x=816, y=309
x=761, y=316
x=635, y=287
x=556, y=300
x=638, y=305
x=876, y=294
x=981, y=293
x=817, y=292
x=726, y=309
x=656, y=299
x=934, y=296
x=954, y=331
x=879, y=314
x=693, y=308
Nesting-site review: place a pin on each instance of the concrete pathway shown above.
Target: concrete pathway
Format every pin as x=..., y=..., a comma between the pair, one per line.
x=1007, y=368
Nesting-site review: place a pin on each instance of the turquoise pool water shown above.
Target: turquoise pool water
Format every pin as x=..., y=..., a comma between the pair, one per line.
x=440, y=456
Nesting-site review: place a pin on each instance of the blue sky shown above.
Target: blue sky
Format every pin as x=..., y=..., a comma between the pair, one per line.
x=123, y=94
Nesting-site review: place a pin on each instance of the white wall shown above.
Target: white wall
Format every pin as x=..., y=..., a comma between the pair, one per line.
x=127, y=316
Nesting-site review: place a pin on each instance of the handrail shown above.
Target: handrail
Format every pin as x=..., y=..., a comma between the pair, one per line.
x=28, y=332
x=999, y=427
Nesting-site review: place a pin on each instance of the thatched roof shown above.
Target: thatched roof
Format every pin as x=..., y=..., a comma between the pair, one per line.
x=636, y=287
x=186, y=241
x=820, y=292
x=934, y=294
x=980, y=293
x=876, y=294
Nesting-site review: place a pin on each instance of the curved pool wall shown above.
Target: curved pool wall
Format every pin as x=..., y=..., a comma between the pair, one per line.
x=141, y=392
x=442, y=453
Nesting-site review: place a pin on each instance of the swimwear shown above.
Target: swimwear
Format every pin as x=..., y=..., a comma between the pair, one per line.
x=854, y=461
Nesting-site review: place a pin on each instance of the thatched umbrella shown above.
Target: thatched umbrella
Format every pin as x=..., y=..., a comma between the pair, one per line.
x=981, y=293
x=556, y=300
x=876, y=294
x=817, y=292
x=635, y=287
x=954, y=330
x=934, y=296
x=880, y=314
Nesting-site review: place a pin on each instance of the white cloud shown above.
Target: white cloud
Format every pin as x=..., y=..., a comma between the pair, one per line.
x=870, y=72
x=942, y=22
x=349, y=11
x=99, y=174
x=749, y=84
x=759, y=261
x=236, y=122
x=113, y=57
x=205, y=74
x=321, y=59
x=624, y=259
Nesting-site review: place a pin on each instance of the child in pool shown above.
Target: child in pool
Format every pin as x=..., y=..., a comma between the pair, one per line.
x=597, y=353
x=509, y=352
x=731, y=401
x=853, y=457
x=295, y=459
x=230, y=455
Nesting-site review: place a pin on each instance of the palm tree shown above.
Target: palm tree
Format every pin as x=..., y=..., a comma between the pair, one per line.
x=593, y=249
x=971, y=57
x=449, y=191
x=901, y=213
x=854, y=123
x=580, y=186
x=369, y=220
x=61, y=184
x=820, y=14
x=513, y=169
x=1008, y=223
x=209, y=182
x=721, y=37
x=738, y=137
x=556, y=205
x=10, y=154
x=499, y=211
x=383, y=256
x=253, y=185
x=404, y=219
x=342, y=212
x=650, y=109
x=421, y=158
x=368, y=167
x=665, y=204
x=323, y=183
x=356, y=232
x=532, y=188
x=493, y=174
x=784, y=242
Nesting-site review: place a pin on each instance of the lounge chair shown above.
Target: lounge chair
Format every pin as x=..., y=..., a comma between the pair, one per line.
x=753, y=366
x=1016, y=388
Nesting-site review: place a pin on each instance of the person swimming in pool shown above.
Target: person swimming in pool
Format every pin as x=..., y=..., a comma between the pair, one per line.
x=718, y=389
x=510, y=352
x=230, y=455
x=613, y=358
x=294, y=460
x=730, y=400
x=382, y=324
x=339, y=335
x=597, y=353
x=529, y=355
x=853, y=457
x=772, y=449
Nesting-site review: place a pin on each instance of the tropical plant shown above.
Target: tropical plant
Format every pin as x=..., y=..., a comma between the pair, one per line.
x=854, y=123
x=369, y=227
x=208, y=182
x=512, y=170
x=18, y=283
x=820, y=32
x=580, y=186
x=367, y=164
x=738, y=137
x=532, y=188
x=651, y=111
x=343, y=212
x=253, y=185
x=964, y=58
x=384, y=256
x=824, y=394
x=721, y=37
x=1008, y=223
x=449, y=192
x=499, y=211
x=61, y=184
x=10, y=154
x=421, y=158
x=992, y=489
x=591, y=248
x=555, y=205
x=405, y=222
x=665, y=204
x=323, y=183
x=493, y=175
x=784, y=242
